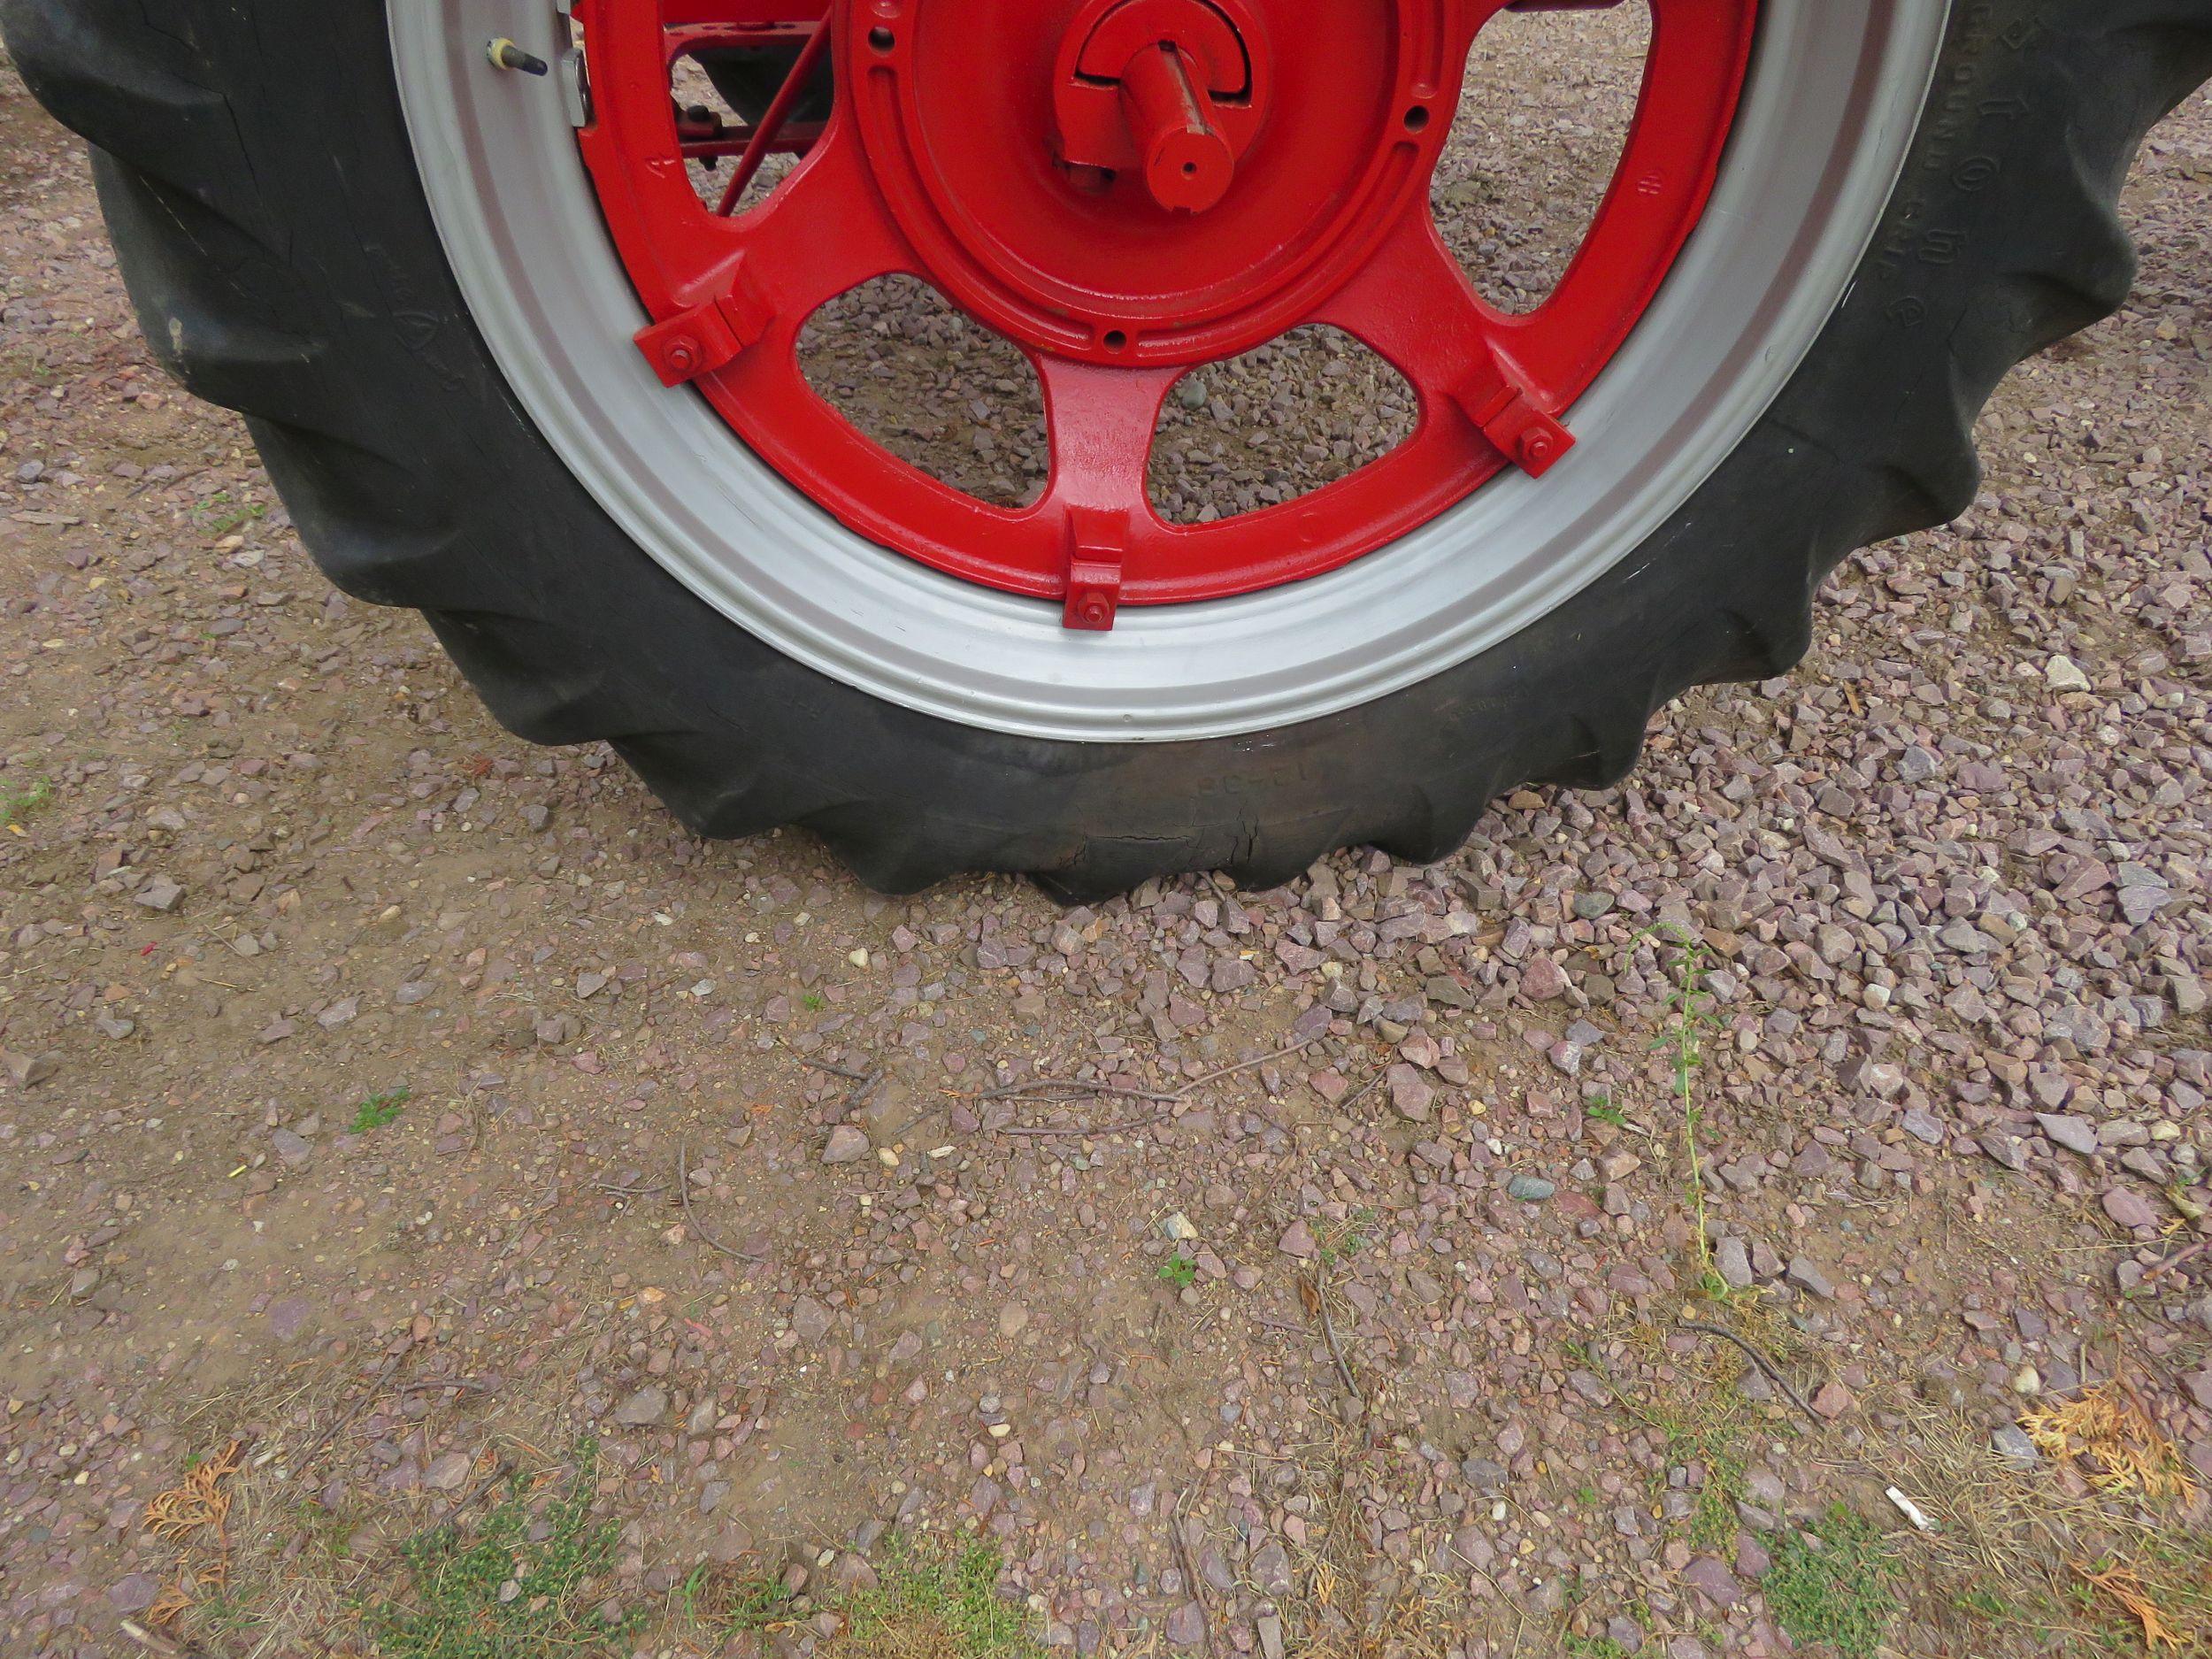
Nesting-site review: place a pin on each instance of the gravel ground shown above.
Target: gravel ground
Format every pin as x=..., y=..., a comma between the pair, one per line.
x=410, y=1104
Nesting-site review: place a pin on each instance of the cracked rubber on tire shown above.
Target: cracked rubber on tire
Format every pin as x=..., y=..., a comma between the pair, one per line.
x=304, y=285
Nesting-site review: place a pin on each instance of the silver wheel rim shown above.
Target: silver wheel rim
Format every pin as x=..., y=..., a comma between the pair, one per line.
x=1832, y=100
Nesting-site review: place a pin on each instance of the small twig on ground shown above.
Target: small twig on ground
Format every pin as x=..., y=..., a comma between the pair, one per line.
x=1190, y=1573
x=1037, y=1088
x=2185, y=1254
x=359, y=1405
x=1762, y=1362
x=1205, y=1078
x=622, y=1190
x=431, y=1384
x=1328, y=1335
x=1090, y=1133
x=863, y=1089
x=1365, y=1089
x=163, y=483
x=845, y=1071
x=683, y=1191
x=1040, y=1088
x=462, y=1502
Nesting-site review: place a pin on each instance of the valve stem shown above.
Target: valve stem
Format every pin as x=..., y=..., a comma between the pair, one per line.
x=504, y=54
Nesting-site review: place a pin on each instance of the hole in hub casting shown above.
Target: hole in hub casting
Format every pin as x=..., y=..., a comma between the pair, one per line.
x=1543, y=118
x=947, y=397
x=1281, y=421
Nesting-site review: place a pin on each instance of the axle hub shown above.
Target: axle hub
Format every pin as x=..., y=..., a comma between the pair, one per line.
x=1162, y=88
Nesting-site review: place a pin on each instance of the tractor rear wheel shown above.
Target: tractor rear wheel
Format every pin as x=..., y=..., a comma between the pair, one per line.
x=517, y=357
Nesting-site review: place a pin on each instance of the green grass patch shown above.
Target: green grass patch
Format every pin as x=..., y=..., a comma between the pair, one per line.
x=1712, y=1522
x=496, y=1594
x=1833, y=1585
x=929, y=1601
x=933, y=1605
x=18, y=800
x=379, y=1112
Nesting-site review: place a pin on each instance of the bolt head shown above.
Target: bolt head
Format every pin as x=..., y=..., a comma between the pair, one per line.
x=682, y=355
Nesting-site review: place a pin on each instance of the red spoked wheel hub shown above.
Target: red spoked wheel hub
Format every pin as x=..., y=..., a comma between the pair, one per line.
x=1127, y=189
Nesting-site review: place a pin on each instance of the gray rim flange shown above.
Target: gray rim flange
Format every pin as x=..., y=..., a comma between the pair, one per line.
x=1835, y=92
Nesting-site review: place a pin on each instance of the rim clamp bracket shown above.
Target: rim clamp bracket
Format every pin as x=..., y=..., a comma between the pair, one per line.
x=707, y=336
x=1499, y=403
x=1097, y=539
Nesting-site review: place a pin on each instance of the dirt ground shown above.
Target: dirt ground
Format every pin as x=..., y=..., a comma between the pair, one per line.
x=406, y=1131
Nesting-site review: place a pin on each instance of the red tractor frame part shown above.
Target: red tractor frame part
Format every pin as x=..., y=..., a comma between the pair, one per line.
x=1126, y=189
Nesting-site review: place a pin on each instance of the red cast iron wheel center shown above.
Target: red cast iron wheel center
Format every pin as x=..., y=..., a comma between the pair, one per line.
x=1125, y=188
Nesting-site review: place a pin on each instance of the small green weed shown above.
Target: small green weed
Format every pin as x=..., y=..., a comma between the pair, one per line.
x=1180, y=1271
x=379, y=1112
x=18, y=802
x=1341, y=1243
x=457, y=1609
x=1834, y=1586
x=1982, y=1604
x=814, y=1002
x=1603, y=1109
x=219, y=514
x=1690, y=1010
x=713, y=1598
x=1713, y=1519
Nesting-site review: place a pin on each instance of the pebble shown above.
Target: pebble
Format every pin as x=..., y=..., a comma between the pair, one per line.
x=1802, y=1274
x=846, y=1145
x=1530, y=1190
x=133, y=1593
x=1710, y=1576
x=448, y=1470
x=158, y=893
x=646, y=1406
x=1411, y=1095
x=1733, y=1262
x=2129, y=1209
x=2064, y=674
x=2075, y=1135
x=1543, y=979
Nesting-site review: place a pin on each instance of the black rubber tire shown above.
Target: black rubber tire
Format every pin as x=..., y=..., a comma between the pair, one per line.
x=304, y=284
